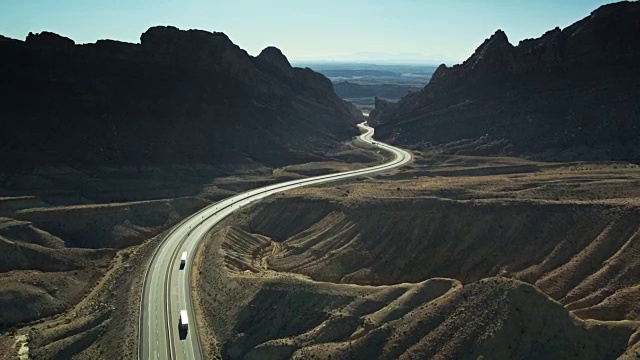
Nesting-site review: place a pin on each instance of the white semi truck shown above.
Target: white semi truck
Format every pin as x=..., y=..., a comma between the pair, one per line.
x=184, y=321
x=183, y=260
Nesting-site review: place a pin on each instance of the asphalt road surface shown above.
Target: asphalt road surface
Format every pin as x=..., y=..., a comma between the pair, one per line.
x=167, y=288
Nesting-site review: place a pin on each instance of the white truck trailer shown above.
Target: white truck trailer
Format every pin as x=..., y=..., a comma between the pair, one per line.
x=183, y=260
x=184, y=320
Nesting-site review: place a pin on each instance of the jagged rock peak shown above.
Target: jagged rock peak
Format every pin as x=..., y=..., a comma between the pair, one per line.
x=274, y=57
x=551, y=33
x=440, y=72
x=499, y=35
x=494, y=53
x=49, y=39
x=498, y=40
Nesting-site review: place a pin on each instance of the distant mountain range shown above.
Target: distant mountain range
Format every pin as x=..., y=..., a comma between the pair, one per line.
x=177, y=97
x=572, y=94
x=386, y=58
x=347, y=90
x=360, y=83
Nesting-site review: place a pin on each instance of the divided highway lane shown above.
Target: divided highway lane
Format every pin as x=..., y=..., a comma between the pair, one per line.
x=167, y=289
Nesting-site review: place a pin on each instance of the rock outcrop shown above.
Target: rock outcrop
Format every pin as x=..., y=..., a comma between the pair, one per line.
x=177, y=97
x=273, y=58
x=49, y=40
x=570, y=94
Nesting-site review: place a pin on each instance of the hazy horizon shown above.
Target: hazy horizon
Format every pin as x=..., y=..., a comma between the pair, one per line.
x=332, y=30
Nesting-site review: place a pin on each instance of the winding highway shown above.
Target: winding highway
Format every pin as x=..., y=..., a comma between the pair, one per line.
x=167, y=288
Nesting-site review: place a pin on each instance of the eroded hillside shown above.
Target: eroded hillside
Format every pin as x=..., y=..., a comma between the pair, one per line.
x=76, y=244
x=457, y=257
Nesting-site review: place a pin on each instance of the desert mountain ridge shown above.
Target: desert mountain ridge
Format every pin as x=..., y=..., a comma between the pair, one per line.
x=176, y=97
x=571, y=94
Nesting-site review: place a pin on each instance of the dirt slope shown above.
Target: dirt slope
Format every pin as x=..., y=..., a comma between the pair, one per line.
x=78, y=243
x=53, y=256
x=572, y=250
x=500, y=258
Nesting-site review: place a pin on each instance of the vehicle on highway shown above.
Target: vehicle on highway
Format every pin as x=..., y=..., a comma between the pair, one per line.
x=183, y=325
x=183, y=260
x=184, y=320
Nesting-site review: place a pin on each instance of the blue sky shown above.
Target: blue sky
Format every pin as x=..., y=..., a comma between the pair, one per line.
x=303, y=29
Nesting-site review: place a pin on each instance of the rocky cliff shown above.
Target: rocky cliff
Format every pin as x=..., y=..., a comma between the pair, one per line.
x=177, y=97
x=570, y=94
